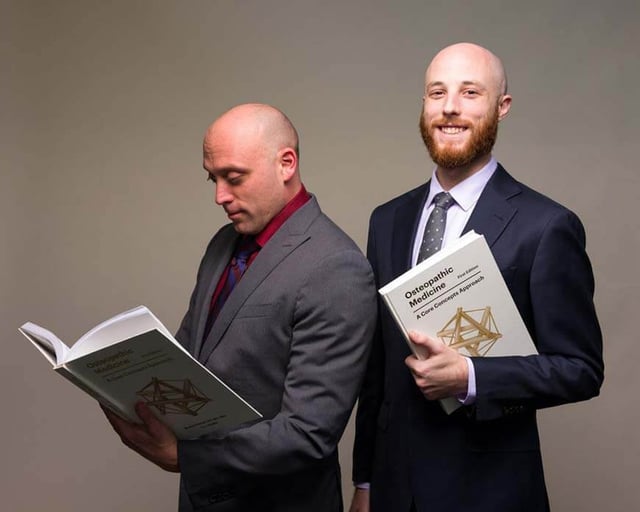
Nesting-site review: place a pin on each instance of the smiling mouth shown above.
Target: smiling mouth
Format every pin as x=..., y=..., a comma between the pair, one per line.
x=452, y=130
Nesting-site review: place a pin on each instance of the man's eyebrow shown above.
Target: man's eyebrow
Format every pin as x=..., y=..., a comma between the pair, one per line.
x=439, y=83
x=474, y=83
x=223, y=171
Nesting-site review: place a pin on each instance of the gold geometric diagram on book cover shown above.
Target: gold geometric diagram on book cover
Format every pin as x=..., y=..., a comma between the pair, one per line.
x=173, y=396
x=474, y=330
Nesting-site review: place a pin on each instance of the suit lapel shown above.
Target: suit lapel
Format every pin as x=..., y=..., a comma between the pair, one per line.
x=220, y=255
x=405, y=224
x=290, y=236
x=493, y=212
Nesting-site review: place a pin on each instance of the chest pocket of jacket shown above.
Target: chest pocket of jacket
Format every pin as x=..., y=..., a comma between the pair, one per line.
x=258, y=310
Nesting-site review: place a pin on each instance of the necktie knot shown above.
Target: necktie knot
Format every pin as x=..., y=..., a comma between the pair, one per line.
x=443, y=200
x=246, y=247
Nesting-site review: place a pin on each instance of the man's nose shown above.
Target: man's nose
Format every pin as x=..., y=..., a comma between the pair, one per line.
x=451, y=105
x=223, y=195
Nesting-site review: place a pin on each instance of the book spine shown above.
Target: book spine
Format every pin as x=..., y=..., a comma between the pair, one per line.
x=400, y=324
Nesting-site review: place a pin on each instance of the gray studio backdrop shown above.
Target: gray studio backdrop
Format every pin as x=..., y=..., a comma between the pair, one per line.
x=104, y=204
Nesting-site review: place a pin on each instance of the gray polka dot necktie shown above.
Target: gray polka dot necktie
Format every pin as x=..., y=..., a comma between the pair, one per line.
x=434, y=230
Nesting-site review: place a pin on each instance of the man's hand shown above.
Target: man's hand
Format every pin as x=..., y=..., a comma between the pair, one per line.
x=153, y=439
x=443, y=373
x=360, y=501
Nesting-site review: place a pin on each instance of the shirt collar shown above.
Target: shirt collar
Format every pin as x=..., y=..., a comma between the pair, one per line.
x=290, y=208
x=467, y=192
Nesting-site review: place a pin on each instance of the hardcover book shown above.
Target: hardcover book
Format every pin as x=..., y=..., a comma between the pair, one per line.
x=132, y=357
x=459, y=296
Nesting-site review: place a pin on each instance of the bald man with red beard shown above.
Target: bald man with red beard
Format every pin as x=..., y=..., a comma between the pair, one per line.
x=485, y=457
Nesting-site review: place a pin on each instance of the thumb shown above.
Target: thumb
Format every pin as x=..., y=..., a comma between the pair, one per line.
x=432, y=345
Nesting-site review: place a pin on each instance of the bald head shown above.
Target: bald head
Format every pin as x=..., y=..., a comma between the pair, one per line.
x=251, y=154
x=474, y=57
x=258, y=123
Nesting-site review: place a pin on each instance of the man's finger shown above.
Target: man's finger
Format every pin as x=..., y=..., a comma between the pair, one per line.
x=156, y=428
x=432, y=345
x=116, y=421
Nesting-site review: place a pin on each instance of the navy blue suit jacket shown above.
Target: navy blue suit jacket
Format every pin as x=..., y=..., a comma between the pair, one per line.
x=484, y=457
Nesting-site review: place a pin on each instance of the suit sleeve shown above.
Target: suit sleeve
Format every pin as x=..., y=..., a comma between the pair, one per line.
x=332, y=326
x=569, y=367
x=370, y=399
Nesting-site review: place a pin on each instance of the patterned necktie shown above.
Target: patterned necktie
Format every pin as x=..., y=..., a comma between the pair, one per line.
x=434, y=230
x=237, y=267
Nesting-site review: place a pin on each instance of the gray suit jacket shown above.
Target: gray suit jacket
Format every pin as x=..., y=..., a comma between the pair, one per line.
x=292, y=339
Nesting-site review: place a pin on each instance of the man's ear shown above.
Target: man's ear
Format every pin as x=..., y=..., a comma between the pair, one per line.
x=504, y=104
x=288, y=163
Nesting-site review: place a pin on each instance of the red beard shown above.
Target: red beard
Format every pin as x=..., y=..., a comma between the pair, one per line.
x=483, y=138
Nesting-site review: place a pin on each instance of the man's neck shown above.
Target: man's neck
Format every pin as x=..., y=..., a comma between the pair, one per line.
x=450, y=177
x=290, y=208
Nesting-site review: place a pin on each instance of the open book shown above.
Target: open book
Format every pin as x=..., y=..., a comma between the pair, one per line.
x=459, y=296
x=132, y=357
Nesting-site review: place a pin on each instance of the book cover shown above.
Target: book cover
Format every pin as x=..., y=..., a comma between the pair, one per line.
x=133, y=357
x=458, y=295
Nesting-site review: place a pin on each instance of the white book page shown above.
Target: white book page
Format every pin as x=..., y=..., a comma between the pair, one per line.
x=121, y=327
x=46, y=342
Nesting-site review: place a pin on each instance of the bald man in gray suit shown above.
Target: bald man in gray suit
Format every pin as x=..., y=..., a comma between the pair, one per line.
x=292, y=337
